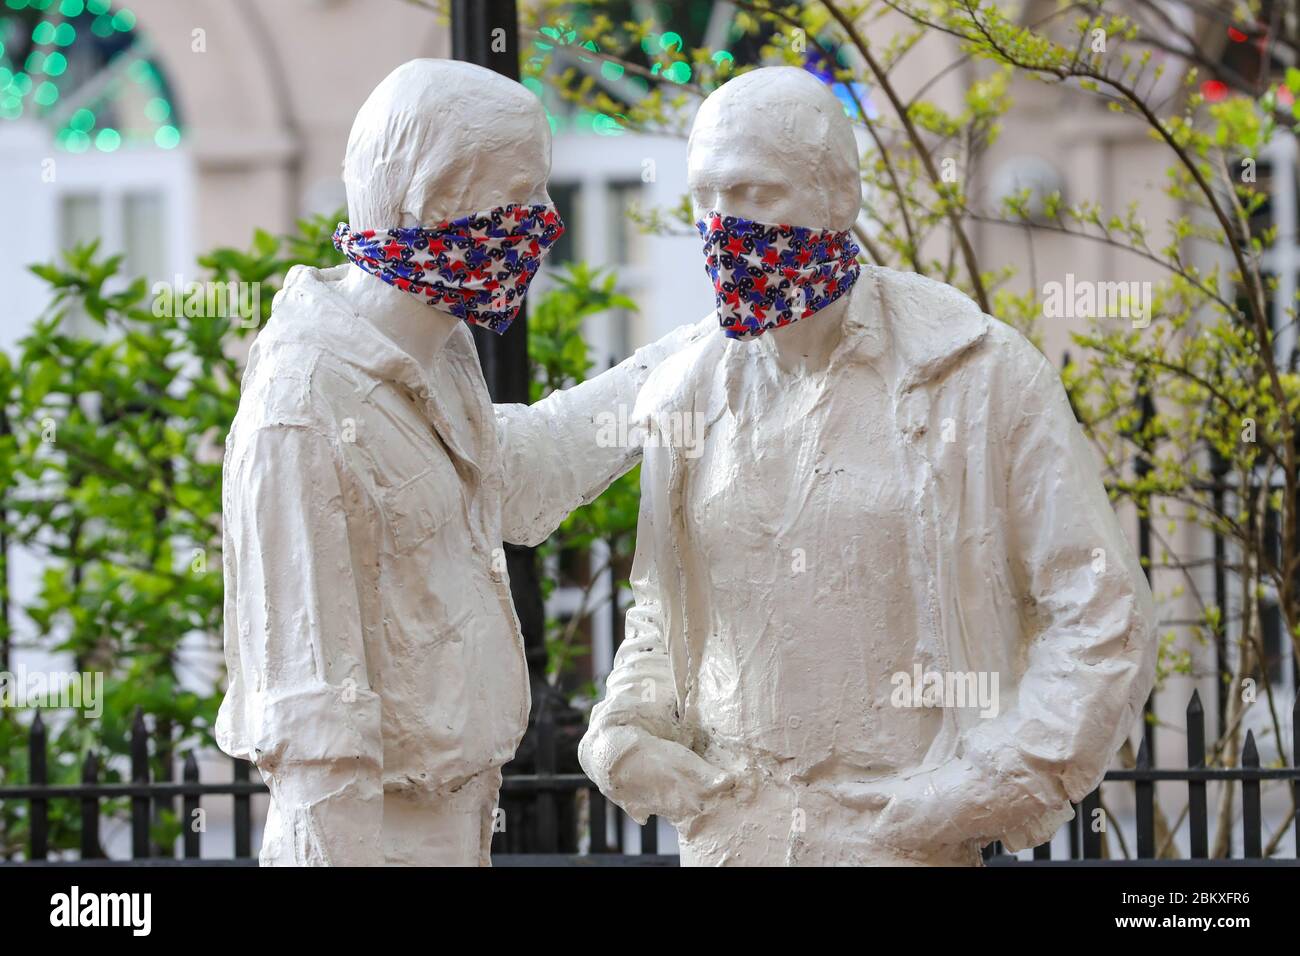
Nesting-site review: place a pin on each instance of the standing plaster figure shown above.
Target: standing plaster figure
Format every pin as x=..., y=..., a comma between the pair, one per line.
x=891, y=506
x=377, y=673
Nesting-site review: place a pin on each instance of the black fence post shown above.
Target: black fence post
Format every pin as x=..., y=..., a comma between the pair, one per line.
x=1196, y=810
x=547, y=830
x=191, y=813
x=596, y=814
x=243, y=813
x=90, y=848
x=1250, y=816
x=139, y=775
x=1142, y=467
x=39, y=775
x=650, y=836
x=1145, y=793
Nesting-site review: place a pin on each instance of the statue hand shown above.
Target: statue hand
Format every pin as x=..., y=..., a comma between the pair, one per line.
x=670, y=780
x=946, y=806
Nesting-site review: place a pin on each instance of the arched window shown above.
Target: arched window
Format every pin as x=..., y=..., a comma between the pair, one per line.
x=91, y=148
x=80, y=68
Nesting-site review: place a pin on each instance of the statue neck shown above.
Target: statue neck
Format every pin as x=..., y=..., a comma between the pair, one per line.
x=806, y=346
x=418, y=329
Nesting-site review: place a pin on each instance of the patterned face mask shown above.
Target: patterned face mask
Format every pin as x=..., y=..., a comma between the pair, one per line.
x=765, y=277
x=476, y=267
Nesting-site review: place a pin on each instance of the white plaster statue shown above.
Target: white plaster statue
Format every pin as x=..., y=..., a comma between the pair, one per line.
x=893, y=487
x=377, y=674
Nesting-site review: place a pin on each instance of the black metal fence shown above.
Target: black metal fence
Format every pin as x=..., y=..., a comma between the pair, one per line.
x=554, y=815
x=545, y=810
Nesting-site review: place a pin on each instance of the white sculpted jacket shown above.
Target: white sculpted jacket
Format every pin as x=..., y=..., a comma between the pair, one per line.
x=1018, y=564
x=371, y=641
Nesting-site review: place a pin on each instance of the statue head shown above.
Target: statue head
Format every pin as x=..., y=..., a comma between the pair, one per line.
x=775, y=146
x=441, y=138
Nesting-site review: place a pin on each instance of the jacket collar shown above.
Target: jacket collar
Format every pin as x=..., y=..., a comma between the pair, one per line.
x=910, y=328
x=309, y=310
x=926, y=325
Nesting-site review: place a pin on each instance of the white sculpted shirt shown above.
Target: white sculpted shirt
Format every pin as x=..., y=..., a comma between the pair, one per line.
x=837, y=621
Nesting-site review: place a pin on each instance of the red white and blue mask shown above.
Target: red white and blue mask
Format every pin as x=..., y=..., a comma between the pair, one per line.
x=766, y=277
x=476, y=267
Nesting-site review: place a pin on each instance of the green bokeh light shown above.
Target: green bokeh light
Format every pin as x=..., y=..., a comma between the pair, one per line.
x=47, y=94
x=679, y=72
x=671, y=41
x=56, y=28
x=603, y=124
x=77, y=141
x=611, y=70
x=158, y=110
x=168, y=137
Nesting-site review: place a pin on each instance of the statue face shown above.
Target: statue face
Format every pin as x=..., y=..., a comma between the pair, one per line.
x=774, y=145
x=732, y=170
x=440, y=138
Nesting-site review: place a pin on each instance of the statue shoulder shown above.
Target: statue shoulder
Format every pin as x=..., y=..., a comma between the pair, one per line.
x=913, y=288
x=674, y=384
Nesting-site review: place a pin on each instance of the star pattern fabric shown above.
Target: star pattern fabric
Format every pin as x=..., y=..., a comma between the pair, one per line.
x=765, y=277
x=477, y=267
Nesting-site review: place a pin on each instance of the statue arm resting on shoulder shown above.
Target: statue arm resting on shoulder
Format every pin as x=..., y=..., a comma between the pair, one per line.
x=564, y=451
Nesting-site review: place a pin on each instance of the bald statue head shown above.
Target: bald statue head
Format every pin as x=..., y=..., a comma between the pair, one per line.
x=440, y=138
x=774, y=145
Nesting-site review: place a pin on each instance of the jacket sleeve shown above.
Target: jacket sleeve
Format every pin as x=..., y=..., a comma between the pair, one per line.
x=564, y=451
x=639, y=706
x=1089, y=657
x=300, y=705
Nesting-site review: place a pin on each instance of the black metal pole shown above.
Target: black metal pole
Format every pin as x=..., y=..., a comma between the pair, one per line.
x=1141, y=468
x=486, y=33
